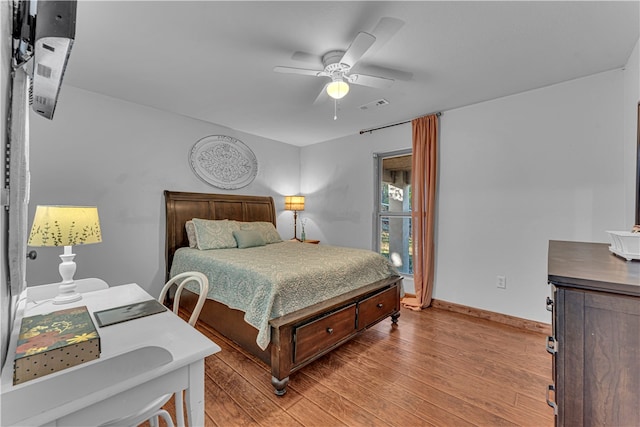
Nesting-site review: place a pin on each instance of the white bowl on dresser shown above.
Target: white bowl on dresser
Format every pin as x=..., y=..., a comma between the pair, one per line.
x=625, y=244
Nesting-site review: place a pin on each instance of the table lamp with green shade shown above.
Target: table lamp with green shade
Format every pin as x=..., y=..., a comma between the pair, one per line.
x=65, y=226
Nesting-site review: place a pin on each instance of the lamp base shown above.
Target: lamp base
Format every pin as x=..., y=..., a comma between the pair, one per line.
x=67, y=289
x=65, y=297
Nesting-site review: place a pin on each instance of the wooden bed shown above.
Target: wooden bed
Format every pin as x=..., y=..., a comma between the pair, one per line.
x=297, y=338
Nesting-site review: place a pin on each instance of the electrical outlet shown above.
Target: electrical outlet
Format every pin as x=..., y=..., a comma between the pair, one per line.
x=502, y=282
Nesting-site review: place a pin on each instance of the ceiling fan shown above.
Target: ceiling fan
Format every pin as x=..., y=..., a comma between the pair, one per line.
x=339, y=63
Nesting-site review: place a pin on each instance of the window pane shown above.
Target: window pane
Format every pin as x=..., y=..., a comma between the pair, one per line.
x=395, y=185
x=395, y=242
x=395, y=199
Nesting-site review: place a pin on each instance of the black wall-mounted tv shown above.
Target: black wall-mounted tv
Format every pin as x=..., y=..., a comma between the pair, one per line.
x=43, y=34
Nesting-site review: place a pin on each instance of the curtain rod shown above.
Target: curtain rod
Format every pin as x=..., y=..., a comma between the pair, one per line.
x=438, y=114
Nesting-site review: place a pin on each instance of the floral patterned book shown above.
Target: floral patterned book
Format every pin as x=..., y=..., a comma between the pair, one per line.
x=54, y=341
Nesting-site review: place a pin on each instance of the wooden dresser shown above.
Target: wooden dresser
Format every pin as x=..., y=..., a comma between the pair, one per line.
x=596, y=336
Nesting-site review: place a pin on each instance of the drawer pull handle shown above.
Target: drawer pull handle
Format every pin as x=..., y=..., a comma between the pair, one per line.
x=329, y=331
x=551, y=345
x=549, y=402
x=379, y=305
x=549, y=304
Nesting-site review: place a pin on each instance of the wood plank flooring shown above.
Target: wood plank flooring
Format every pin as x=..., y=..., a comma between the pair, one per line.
x=436, y=368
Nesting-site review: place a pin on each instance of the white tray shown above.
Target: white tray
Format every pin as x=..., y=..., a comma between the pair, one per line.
x=625, y=244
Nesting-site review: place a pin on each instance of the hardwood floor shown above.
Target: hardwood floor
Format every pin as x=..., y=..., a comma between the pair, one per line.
x=436, y=368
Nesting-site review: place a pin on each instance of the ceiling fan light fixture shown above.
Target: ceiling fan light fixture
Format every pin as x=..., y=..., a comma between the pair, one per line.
x=337, y=89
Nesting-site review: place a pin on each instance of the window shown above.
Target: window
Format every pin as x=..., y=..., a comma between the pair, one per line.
x=392, y=233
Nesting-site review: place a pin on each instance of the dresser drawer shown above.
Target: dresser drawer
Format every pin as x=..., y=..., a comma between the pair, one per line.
x=377, y=307
x=324, y=332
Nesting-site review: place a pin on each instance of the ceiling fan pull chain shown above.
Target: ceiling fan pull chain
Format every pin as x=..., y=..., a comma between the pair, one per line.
x=335, y=109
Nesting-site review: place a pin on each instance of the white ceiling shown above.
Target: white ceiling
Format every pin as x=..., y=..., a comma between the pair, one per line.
x=214, y=60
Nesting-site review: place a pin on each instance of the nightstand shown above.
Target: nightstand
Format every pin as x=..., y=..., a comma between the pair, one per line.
x=313, y=242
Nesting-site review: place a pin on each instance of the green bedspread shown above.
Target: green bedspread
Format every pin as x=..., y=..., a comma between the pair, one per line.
x=269, y=281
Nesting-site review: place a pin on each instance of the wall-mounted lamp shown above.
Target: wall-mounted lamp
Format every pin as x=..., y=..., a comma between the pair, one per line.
x=295, y=204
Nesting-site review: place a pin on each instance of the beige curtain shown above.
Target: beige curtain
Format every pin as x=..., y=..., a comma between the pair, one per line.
x=424, y=175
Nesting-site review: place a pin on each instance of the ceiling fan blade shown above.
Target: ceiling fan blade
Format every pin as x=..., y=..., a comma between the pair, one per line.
x=358, y=47
x=389, y=73
x=322, y=96
x=386, y=28
x=303, y=71
x=384, y=31
x=307, y=57
x=371, y=81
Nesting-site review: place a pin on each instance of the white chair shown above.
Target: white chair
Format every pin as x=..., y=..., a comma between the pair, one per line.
x=154, y=409
x=150, y=411
x=185, y=278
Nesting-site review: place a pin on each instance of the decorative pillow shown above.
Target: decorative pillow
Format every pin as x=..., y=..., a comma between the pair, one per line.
x=191, y=234
x=248, y=238
x=266, y=229
x=215, y=234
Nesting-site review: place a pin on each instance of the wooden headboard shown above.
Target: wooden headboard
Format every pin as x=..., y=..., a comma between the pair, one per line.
x=181, y=207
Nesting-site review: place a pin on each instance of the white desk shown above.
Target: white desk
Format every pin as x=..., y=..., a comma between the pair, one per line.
x=139, y=360
x=50, y=290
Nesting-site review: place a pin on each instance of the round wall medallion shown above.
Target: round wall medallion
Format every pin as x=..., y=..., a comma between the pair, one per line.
x=224, y=162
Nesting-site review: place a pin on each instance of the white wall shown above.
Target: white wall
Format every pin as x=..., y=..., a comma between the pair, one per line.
x=631, y=100
x=514, y=173
x=121, y=156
